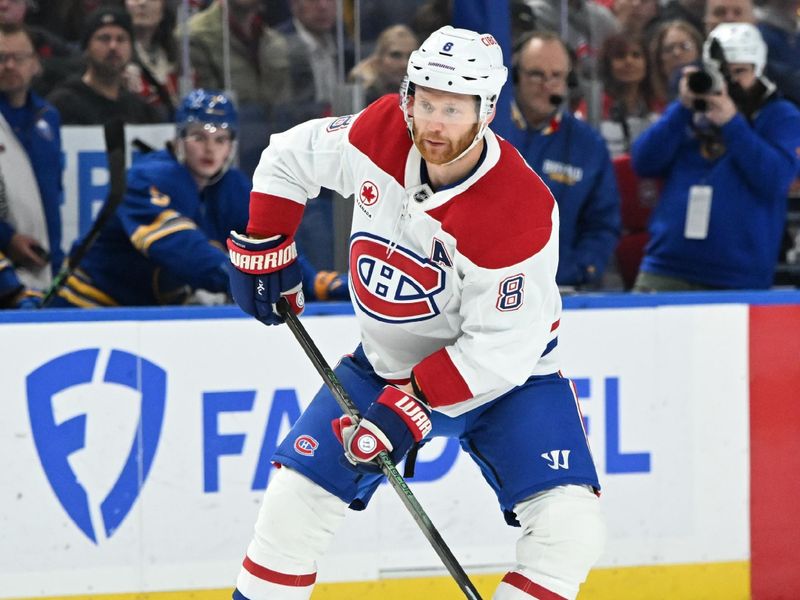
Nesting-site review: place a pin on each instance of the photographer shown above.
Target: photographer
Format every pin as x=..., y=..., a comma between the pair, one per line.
x=727, y=152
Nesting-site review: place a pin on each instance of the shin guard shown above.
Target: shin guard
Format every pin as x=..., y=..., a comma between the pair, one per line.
x=295, y=525
x=563, y=537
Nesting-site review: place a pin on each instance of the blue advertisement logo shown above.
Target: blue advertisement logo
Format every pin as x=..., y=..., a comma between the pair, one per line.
x=55, y=442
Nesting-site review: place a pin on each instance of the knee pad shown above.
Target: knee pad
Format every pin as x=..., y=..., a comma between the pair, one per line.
x=563, y=537
x=295, y=526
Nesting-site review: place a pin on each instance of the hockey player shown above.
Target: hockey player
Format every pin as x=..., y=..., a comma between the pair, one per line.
x=167, y=237
x=453, y=256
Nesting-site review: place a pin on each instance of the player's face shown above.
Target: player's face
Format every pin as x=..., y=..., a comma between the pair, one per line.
x=109, y=50
x=443, y=125
x=206, y=148
x=18, y=63
x=543, y=68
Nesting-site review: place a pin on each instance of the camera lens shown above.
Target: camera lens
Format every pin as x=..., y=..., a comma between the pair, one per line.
x=699, y=82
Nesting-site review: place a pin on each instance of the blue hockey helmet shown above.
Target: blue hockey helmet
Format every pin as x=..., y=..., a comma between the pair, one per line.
x=207, y=107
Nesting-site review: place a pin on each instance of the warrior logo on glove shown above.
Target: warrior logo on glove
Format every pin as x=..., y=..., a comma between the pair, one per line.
x=264, y=271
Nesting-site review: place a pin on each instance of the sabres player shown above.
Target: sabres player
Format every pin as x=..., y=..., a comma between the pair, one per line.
x=167, y=238
x=453, y=257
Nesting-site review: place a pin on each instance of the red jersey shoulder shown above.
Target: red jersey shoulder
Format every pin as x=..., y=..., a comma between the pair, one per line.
x=381, y=134
x=504, y=218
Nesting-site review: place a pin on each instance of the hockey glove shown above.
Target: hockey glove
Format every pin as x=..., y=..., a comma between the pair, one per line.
x=393, y=423
x=331, y=285
x=30, y=299
x=264, y=270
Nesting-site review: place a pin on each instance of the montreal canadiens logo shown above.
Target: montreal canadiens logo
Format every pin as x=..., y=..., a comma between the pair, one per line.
x=305, y=445
x=367, y=444
x=397, y=288
x=368, y=195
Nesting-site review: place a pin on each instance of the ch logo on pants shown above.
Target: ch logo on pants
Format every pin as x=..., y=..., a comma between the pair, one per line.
x=64, y=397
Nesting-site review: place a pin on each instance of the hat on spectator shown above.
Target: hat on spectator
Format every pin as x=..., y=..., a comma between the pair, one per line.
x=105, y=16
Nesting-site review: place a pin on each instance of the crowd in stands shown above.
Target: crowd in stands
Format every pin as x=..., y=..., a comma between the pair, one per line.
x=660, y=185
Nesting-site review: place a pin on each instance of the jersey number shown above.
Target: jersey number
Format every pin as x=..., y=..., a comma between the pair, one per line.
x=511, y=293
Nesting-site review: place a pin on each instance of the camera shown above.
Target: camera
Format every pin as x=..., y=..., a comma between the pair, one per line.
x=710, y=78
x=705, y=81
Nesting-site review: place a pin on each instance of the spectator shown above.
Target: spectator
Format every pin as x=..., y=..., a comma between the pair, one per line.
x=430, y=16
x=100, y=95
x=569, y=156
x=153, y=72
x=65, y=18
x=30, y=166
x=629, y=106
x=674, y=45
x=728, y=160
x=383, y=71
x=57, y=58
x=588, y=26
x=778, y=23
x=522, y=20
x=691, y=11
x=311, y=36
x=259, y=62
x=275, y=11
x=314, y=57
x=728, y=11
x=376, y=16
x=635, y=17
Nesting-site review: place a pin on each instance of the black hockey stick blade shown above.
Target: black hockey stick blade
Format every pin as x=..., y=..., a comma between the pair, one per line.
x=114, y=133
x=384, y=461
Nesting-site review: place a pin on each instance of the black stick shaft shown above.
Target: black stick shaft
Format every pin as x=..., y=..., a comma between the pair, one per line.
x=114, y=132
x=384, y=461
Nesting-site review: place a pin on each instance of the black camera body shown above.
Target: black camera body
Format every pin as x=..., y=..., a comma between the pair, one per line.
x=706, y=80
x=711, y=77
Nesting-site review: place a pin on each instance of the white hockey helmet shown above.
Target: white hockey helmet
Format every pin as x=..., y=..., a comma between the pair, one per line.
x=458, y=61
x=741, y=43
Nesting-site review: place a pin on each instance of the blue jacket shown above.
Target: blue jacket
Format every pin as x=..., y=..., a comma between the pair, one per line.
x=573, y=161
x=750, y=181
x=38, y=128
x=783, y=59
x=165, y=239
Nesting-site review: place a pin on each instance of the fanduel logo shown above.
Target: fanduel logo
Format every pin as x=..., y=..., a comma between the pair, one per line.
x=63, y=432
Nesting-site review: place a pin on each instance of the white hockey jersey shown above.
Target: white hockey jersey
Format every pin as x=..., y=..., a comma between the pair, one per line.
x=458, y=285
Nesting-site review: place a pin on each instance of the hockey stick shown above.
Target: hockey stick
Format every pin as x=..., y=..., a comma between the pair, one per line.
x=114, y=133
x=384, y=461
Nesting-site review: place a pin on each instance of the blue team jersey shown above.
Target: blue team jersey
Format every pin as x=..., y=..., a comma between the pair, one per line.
x=166, y=238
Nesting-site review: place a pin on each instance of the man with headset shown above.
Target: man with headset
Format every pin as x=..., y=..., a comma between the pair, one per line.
x=568, y=155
